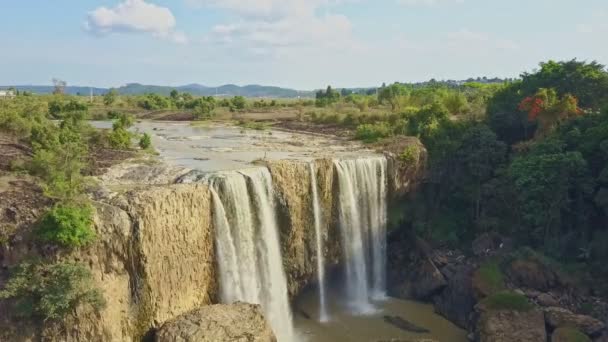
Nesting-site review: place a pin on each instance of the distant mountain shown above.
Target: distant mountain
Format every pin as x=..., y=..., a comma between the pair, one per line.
x=194, y=89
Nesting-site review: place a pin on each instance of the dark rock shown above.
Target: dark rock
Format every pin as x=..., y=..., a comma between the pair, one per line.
x=546, y=299
x=412, y=272
x=405, y=325
x=559, y=317
x=532, y=274
x=487, y=244
x=457, y=301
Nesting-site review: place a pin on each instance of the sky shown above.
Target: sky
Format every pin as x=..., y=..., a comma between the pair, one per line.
x=302, y=44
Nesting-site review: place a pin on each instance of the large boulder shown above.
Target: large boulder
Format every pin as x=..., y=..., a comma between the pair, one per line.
x=559, y=317
x=457, y=301
x=412, y=271
x=511, y=326
x=532, y=274
x=238, y=322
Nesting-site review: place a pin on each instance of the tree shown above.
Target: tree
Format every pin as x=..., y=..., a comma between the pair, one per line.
x=391, y=95
x=547, y=109
x=456, y=103
x=59, y=86
x=110, y=97
x=238, y=102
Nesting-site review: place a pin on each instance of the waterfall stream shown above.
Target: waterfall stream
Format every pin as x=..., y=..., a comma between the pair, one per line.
x=363, y=217
x=249, y=256
x=323, y=316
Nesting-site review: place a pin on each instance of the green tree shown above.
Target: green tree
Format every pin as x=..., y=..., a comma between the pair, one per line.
x=145, y=142
x=50, y=291
x=391, y=95
x=68, y=225
x=238, y=102
x=110, y=97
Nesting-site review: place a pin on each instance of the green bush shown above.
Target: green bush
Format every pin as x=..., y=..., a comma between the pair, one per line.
x=145, y=141
x=409, y=155
x=120, y=139
x=68, y=225
x=50, y=291
x=507, y=300
x=490, y=278
x=370, y=133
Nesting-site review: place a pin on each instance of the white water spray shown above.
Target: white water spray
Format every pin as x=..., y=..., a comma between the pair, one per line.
x=323, y=316
x=363, y=217
x=249, y=256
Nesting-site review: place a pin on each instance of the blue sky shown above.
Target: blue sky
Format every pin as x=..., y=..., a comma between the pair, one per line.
x=302, y=44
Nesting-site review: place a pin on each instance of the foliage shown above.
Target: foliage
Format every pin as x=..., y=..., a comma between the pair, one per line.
x=154, y=102
x=370, y=133
x=410, y=154
x=391, y=95
x=490, y=277
x=110, y=97
x=145, y=142
x=327, y=97
x=68, y=225
x=506, y=300
x=238, y=102
x=120, y=137
x=50, y=291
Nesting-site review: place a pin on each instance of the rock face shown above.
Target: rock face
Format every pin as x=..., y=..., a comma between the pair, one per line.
x=511, y=326
x=413, y=273
x=559, y=317
x=532, y=274
x=457, y=301
x=292, y=184
x=238, y=322
x=153, y=259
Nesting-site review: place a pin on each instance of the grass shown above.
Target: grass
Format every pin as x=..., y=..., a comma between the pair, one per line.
x=255, y=125
x=490, y=278
x=506, y=300
x=567, y=334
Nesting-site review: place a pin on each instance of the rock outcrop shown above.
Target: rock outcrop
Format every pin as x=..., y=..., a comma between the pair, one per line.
x=511, y=326
x=568, y=335
x=292, y=184
x=556, y=317
x=238, y=322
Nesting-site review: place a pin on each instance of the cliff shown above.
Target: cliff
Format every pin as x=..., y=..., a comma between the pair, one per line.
x=154, y=256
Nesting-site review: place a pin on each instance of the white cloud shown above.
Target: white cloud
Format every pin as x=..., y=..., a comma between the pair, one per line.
x=280, y=27
x=265, y=9
x=428, y=2
x=135, y=16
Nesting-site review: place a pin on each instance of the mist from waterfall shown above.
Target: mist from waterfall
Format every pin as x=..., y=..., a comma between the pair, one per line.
x=249, y=256
x=363, y=217
x=318, y=218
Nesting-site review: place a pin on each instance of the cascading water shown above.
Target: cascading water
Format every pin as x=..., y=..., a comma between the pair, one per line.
x=323, y=316
x=362, y=206
x=249, y=257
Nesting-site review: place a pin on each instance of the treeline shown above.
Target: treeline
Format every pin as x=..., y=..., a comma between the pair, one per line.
x=534, y=168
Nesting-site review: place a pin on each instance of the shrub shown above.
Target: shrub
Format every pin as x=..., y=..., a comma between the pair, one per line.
x=507, y=300
x=489, y=278
x=409, y=155
x=68, y=225
x=50, y=291
x=145, y=141
x=370, y=133
x=120, y=139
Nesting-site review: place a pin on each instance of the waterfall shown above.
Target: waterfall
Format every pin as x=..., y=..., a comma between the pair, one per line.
x=323, y=316
x=363, y=216
x=249, y=256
